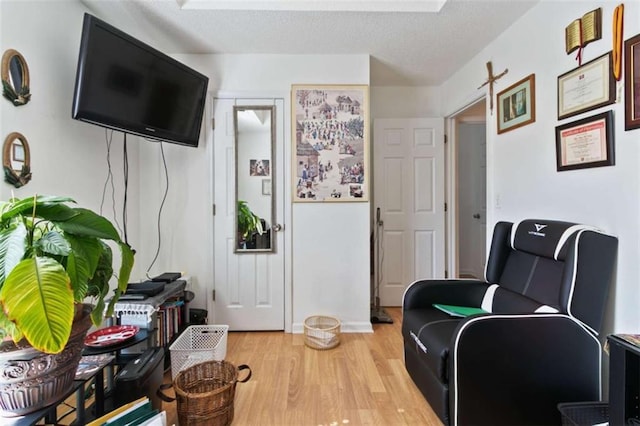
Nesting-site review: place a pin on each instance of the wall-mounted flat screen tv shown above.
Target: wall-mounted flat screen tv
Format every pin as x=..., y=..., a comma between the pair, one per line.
x=126, y=85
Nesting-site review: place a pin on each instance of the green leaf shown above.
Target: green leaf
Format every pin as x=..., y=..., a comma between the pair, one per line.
x=89, y=224
x=12, y=248
x=125, y=267
x=127, y=260
x=82, y=263
x=97, y=315
x=25, y=206
x=116, y=295
x=99, y=283
x=8, y=328
x=37, y=297
x=53, y=243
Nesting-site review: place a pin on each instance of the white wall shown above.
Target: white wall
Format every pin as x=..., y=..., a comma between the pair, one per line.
x=405, y=102
x=68, y=158
x=328, y=243
x=523, y=181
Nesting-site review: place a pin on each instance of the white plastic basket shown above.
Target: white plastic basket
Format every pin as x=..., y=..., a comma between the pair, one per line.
x=196, y=344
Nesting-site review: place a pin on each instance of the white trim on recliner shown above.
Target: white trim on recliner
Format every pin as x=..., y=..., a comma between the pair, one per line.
x=575, y=272
x=454, y=416
x=561, y=241
x=487, y=300
x=567, y=234
x=514, y=228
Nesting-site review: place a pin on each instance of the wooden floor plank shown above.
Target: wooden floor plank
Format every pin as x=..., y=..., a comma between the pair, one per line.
x=361, y=382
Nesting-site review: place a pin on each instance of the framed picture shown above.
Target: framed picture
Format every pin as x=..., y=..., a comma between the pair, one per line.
x=259, y=168
x=266, y=186
x=632, y=83
x=330, y=137
x=585, y=143
x=517, y=104
x=587, y=87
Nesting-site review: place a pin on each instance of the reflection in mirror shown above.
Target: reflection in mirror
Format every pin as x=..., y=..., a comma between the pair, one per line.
x=15, y=78
x=254, y=139
x=16, y=160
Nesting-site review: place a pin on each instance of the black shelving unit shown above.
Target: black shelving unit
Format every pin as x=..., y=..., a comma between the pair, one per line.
x=624, y=381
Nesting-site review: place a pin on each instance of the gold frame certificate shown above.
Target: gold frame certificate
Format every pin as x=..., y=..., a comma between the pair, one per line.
x=587, y=87
x=585, y=143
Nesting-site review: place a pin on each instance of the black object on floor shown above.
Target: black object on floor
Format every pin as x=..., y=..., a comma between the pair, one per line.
x=379, y=316
x=198, y=316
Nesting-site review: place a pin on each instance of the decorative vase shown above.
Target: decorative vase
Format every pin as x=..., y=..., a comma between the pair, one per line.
x=31, y=380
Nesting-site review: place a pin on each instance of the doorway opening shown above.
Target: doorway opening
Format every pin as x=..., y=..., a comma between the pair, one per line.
x=466, y=188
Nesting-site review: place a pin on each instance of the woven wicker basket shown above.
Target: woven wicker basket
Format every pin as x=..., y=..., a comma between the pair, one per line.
x=321, y=332
x=205, y=393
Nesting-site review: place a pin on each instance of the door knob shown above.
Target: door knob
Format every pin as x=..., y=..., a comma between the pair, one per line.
x=277, y=227
x=476, y=216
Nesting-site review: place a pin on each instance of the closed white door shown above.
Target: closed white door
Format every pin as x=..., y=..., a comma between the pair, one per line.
x=409, y=193
x=472, y=204
x=249, y=286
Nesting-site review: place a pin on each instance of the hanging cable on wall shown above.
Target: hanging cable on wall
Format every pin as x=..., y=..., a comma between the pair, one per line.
x=108, y=136
x=164, y=198
x=126, y=187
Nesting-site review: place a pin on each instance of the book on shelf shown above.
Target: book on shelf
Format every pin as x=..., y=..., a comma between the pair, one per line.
x=459, y=311
x=136, y=413
x=169, y=320
x=584, y=30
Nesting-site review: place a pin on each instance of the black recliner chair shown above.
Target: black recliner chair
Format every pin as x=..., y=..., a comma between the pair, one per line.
x=545, y=294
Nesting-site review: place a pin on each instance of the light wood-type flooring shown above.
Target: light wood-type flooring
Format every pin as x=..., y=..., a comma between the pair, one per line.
x=361, y=382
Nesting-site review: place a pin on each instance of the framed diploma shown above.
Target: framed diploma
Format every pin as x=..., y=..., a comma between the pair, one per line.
x=587, y=87
x=585, y=143
x=632, y=83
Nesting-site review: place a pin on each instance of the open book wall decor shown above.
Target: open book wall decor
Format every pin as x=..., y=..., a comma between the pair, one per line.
x=583, y=31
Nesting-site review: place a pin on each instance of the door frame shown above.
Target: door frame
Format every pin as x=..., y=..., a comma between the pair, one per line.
x=451, y=185
x=285, y=186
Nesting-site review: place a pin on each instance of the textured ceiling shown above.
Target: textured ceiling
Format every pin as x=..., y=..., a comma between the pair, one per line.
x=406, y=49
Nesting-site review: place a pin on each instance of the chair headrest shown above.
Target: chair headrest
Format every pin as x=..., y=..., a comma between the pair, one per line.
x=546, y=238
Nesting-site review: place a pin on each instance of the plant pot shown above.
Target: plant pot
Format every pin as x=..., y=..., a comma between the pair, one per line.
x=31, y=380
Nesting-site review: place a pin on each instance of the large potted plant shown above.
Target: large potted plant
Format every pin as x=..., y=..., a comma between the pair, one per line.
x=55, y=268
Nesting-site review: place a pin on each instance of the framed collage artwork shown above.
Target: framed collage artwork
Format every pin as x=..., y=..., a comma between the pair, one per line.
x=330, y=137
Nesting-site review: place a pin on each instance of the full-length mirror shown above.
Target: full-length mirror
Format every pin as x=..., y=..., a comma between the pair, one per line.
x=254, y=139
x=15, y=78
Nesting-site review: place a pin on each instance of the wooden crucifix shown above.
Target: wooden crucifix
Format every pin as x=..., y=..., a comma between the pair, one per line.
x=490, y=80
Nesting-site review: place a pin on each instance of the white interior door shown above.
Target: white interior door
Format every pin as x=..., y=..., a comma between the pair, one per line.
x=249, y=287
x=472, y=204
x=409, y=191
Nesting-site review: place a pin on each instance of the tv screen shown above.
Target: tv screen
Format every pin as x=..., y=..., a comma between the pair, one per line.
x=126, y=85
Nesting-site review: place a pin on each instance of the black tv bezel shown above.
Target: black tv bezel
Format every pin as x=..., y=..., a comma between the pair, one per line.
x=192, y=139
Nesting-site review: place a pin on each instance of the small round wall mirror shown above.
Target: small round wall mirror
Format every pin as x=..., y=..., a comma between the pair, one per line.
x=16, y=159
x=15, y=78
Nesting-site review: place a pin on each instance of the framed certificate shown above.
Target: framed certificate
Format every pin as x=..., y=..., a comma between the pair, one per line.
x=585, y=143
x=587, y=87
x=632, y=83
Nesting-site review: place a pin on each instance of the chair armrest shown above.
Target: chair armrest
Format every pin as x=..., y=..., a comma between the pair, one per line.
x=528, y=363
x=424, y=293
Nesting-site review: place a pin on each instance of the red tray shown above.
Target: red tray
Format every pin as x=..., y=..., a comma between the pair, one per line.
x=109, y=336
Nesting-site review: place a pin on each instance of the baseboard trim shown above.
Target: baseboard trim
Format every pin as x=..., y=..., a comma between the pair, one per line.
x=345, y=327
